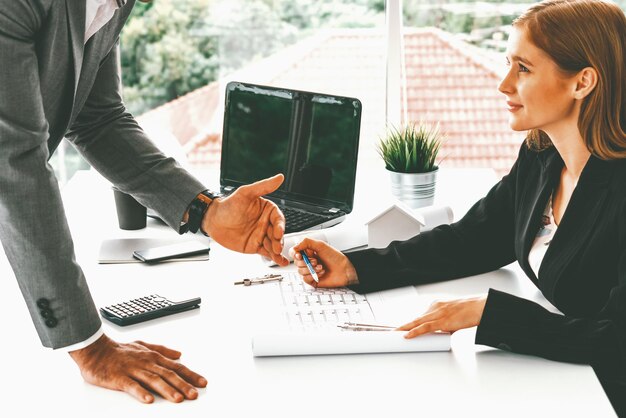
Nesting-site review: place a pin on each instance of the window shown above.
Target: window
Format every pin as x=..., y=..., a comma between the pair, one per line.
x=177, y=56
x=453, y=63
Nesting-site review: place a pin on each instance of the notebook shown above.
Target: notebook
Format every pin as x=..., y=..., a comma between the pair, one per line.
x=293, y=318
x=312, y=138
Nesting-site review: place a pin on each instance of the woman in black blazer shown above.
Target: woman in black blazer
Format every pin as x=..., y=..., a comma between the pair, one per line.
x=560, y=212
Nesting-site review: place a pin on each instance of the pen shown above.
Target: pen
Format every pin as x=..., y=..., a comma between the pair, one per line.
x=365, y=327
x=309, y=266
x=354, y=324
x=356, y=328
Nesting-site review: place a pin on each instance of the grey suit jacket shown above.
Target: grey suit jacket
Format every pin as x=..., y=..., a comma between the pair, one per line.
x=51, y=86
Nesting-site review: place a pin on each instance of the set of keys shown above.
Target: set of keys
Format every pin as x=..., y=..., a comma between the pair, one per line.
x=260, y=280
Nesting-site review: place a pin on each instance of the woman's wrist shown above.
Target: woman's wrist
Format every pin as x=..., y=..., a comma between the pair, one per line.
x=351, y=274
x=481, y=302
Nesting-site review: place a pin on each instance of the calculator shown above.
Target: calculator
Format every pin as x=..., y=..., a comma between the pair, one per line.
x=145, y=308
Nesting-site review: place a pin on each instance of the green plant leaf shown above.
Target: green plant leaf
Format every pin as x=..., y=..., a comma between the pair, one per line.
x=412, y=148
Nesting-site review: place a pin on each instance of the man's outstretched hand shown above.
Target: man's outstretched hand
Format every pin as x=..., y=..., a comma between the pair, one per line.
x=138, y=369
x=248, y=223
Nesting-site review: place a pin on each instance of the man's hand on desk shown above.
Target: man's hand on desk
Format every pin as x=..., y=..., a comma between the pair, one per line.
x=136, y=369
x=332, y=267
x=248, y=223
x=447, y=316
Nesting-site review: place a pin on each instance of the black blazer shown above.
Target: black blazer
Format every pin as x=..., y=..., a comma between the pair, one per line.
x=583, y=273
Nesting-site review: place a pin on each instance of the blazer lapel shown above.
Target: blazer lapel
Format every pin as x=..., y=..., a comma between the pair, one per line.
x=76, y=18
x=578, y=221
x=537, y=198
x=93, y=52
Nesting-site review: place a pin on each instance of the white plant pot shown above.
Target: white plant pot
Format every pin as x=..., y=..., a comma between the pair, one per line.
x=414, y=189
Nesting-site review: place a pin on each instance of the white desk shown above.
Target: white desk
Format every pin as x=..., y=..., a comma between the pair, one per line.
x=215, y=340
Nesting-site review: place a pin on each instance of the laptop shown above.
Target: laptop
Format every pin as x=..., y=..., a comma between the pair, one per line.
x=312, y=138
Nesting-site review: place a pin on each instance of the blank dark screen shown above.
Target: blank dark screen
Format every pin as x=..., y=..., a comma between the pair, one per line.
x=311, y=139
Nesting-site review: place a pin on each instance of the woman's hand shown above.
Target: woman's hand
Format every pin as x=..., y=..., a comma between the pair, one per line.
x=332, y=267
x=447, y=316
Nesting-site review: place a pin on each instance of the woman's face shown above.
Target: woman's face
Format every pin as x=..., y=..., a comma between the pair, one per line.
x=539, y=96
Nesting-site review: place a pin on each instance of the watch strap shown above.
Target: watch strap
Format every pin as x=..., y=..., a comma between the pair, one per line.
x=197, y=209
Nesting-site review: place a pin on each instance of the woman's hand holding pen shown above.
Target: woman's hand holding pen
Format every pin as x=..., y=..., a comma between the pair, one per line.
x=332, y=267
x=448, y=316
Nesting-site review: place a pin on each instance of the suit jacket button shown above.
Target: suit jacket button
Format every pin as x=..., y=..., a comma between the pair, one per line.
x=46, y=313
x=43, y=303
x=51, y=322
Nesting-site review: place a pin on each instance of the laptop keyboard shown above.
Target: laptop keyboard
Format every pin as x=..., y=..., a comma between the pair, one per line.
x=299, y=220
x=308, y=308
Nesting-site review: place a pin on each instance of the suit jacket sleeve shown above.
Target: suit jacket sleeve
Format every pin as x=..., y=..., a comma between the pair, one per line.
x=523, y=326
x=482, y=241
x=33, y=228
x=113, y=143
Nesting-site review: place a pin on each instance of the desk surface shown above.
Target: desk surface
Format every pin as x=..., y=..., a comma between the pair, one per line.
x=215, y=341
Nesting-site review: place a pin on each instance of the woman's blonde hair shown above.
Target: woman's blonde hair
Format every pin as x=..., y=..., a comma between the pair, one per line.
x=578, y=34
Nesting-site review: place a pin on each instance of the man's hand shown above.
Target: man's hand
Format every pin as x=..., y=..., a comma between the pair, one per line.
x=136, y=369
x=332, y=267
x=248, y=223
x=447, y=316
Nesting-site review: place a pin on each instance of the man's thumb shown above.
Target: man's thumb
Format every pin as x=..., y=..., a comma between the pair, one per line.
x=265, y=186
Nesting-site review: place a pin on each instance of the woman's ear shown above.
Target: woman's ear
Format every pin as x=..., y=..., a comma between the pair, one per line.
x=586, y=81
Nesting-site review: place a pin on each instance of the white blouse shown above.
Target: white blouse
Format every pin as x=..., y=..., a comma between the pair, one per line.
x=543, y=238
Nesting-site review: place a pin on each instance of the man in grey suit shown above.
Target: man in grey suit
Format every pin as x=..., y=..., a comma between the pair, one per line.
x=59, y=78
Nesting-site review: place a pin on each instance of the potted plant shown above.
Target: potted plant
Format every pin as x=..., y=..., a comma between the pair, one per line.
x=409, y=154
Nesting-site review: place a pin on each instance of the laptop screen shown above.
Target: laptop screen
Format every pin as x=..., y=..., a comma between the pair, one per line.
x=311, y=138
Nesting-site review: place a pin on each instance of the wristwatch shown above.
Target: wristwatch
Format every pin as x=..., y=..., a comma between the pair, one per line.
x=197, y=209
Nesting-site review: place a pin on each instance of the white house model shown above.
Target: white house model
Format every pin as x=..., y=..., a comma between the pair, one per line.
x=397, y=222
